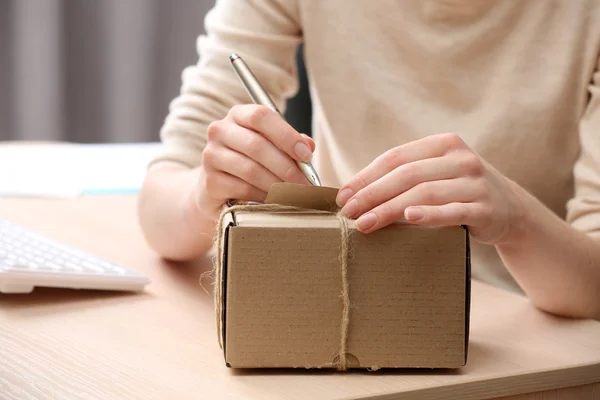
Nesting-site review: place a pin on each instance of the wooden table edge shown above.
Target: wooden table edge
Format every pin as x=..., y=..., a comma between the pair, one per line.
x=518, y=385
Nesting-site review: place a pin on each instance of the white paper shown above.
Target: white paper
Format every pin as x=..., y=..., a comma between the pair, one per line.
x=71, y=170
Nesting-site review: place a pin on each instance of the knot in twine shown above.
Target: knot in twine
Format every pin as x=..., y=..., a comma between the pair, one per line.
x=343, y=257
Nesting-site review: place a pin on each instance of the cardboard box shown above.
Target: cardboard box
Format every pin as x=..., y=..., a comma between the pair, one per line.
x=281, y=302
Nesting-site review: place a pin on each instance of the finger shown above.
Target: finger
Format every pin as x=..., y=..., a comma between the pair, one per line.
x=463, y=190
x=221, y=185
x=239, y=165
x=309, y=141
x=451, y=214
x=428, y=147
x=269, y=124
x=400, y=180
x=261, y=150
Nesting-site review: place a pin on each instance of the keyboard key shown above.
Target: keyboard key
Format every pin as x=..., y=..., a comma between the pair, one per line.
x=53, y=265
x=11, y=262
x=94, y=267
x=73, y=266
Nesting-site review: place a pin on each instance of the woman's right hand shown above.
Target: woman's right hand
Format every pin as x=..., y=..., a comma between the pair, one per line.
x=248, y=151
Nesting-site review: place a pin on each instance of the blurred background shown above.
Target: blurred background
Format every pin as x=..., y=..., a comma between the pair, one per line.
x=100, y=71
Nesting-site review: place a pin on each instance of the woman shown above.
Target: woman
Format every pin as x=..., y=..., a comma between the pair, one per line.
x=517, y=85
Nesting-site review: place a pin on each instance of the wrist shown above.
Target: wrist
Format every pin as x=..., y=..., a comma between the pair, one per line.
x=199, y=206
x=521, y=217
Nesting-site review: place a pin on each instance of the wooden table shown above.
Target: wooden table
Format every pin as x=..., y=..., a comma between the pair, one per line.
x=161, y=344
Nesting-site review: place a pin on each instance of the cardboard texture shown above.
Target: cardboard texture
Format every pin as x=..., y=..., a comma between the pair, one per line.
x=409, y=290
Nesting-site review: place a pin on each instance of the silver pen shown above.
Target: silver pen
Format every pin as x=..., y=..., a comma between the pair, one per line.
x=260, y=96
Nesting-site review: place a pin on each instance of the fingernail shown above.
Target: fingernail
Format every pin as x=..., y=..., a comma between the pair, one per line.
x=414, y=214
x=366, y=222
x=303, y=152
x=343, y=196
x=350, y=209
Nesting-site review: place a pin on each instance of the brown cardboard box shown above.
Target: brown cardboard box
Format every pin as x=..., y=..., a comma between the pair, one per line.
x=281, y=303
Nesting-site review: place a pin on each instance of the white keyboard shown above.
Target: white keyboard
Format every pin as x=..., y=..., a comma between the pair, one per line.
x=29, y=259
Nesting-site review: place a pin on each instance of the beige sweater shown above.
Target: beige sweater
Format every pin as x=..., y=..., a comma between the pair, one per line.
x=517, y=80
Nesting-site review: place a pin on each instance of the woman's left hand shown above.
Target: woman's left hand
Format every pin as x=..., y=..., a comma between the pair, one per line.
x=436, y=181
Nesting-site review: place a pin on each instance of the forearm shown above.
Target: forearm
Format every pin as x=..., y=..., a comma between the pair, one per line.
x=555, y=264
x=172, y=221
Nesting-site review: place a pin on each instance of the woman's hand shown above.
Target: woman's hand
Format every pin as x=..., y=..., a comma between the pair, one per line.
x=435, y=181
x=248, y=151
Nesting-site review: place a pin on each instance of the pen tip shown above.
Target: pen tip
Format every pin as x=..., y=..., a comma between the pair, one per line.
x=233, y=57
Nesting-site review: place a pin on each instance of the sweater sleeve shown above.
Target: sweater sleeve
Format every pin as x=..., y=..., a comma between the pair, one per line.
x=266, y=33
x=583, y=210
